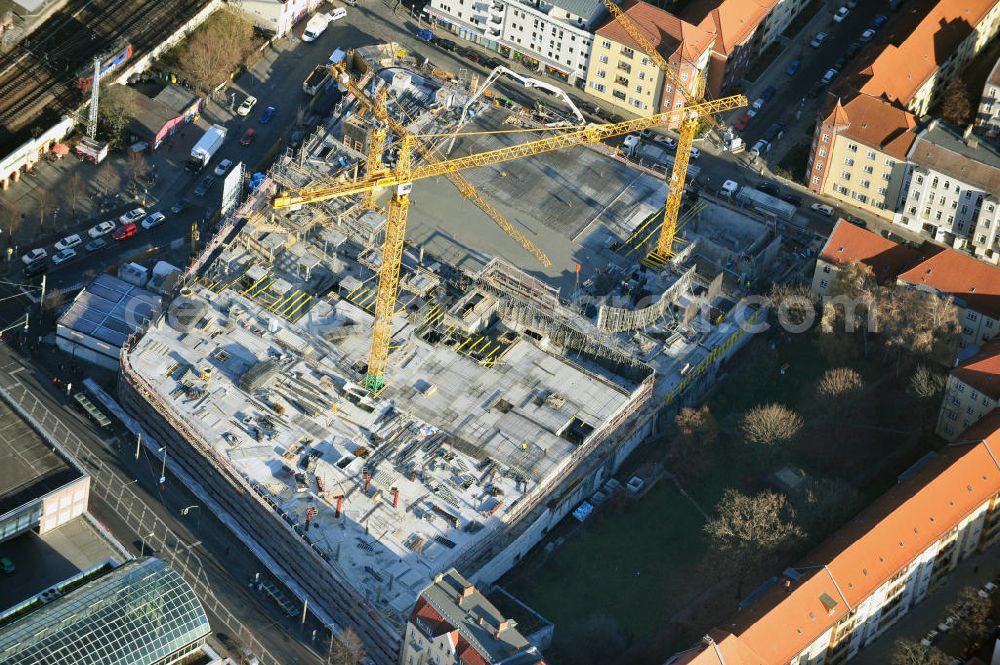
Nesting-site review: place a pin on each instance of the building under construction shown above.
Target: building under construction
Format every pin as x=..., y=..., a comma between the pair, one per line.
x=513, y=393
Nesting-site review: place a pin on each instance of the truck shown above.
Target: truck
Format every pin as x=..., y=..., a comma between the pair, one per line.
x=316, y=81
x=206, y=147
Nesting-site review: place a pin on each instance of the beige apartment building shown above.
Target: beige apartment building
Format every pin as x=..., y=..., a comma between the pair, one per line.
x=971, y=393
x=622, y=77
x=858, y=154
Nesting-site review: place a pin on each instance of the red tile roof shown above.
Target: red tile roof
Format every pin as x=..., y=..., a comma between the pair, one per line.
x=972, y=283
x=982, y=371
x=901, y=68
x=431, y=617
x=875, y=123
x=732, y=21
x=850, y=243
x=873, y=547
x=675, y=39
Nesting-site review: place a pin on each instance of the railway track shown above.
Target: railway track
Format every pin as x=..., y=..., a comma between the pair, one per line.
x=37, y=79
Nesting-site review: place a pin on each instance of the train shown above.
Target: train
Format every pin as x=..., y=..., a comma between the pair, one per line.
x=115, y=58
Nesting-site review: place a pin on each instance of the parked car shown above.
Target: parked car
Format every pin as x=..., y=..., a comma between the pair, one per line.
x=868, y=35
x=829, y=76
x=7, y=565
x=768, y=93
x=180, y=206
x=822, y=208
x=425, y=35
x=818, y=40
x=67, y=242
x=268, y=115
x=205, y=185
x=879, y=21
x=793, y=198
x=36, y=268
x=95, y=245
x=493, y=63
x=793, y=67
x=126, y=231
x=816, y=88
x=247, y=106
x=745, y=120
x=37, y=254
x=153, y=220
x=446, y=44
x=249, y=136
x=102, y=229
x=223, y=167
x=695, y=153
x=469, y=54
x=841, y=14
x=852, y=49
x=63, y=256
x=132, y=216
x=768, y=188
x=860, y=223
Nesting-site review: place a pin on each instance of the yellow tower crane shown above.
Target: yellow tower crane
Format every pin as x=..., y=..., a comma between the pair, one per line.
x=376, y=145
x=687, y=128
x=401, y=180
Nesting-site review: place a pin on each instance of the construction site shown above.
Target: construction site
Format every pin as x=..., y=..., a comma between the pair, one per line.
x=535, y=335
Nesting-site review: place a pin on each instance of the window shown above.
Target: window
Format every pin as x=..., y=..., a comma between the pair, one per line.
x=965, y=209
x=862, y=198
x=845, y=175
x=947, y=185
x=849, y=161
x=972, y=316
x=627, y=51
x=920, y=180
x=871, y=154
x=638, y=89
x=826, y=268
x=865, y=184
x=822, y=152
x=599, y=87
x=869, y=170
x=668, y=88
x=603, y=59
x=618, y=94
x=967, y=331
x=605, y=43
x=934, y=182
x=815, y=178
x=642, y=76
x=853, y=147
x=601, y=74
x=826, y=138
x=883, y=191
x=823, y=284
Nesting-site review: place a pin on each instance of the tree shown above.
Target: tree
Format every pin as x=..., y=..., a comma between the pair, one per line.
x=46, y=202
x=109, y=178
x=973, y=612
x=697, y=430
x=346, y=648
x=748, y=530
x=75, y=191
x=137, y=167
x=907, y=652
x=794, y=304
x=11, y=218
x=215, y=50
x=955, y=105
x=767, y=424
x=839, y=382
x=825, y=504
x=116, y=110
x=53, y=299
x=920, y=323
x=925, y=383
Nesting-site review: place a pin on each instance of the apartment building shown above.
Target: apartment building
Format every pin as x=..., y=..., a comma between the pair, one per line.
x=551, y=37
x=621, y=76
x=453, y=623
x=743, y=29
x=873, y=571
x=849, y=243
x=974, y=286
x=971, y=393
x=278, y=16
x=988, y=113
x=951, y=191
x=859, y=150
x=913, y=71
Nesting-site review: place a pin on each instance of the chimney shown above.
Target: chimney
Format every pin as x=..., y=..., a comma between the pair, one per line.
x=439, y=578
x=967, y=133
x=368, y=481
x=481, y=620
x=504, y=625
x=467, y=590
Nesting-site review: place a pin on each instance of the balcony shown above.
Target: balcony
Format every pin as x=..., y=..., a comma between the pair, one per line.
x=495, y=32
x=621, y=80
x=627, y=52
x=497, y=20
x=625, y=67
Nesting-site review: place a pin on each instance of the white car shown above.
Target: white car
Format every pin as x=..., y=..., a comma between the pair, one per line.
x=695, y=153
x=102, y=229
x=247, y=106
x=223, y=166
x=34, y=255
x=64, y=256
x=868, y=35
x=841, y=14
x=758, y=104
x=132, y=216
x=67, y=242
x=823, y=209
x=818, y=40
x=154, y=219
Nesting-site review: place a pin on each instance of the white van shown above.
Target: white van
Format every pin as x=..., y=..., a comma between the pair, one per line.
x=729, y=188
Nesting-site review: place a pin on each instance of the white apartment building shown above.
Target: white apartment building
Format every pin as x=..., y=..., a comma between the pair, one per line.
x=971, y=393
x=951, y=189
x=278, y=16
x=988, y=116
x=777, y=19
x=552, y=37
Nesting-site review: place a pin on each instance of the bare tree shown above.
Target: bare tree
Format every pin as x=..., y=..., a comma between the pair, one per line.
x=907, y=652
x=346, y=648
x=46, y=202
x=53, y=299
x=926, y=383
x=747, y=530
x=955, y=105
x=117, y=109
x=215, y=50
x=973, y=612
x=793, y=302
x=109, y=178
x=838, y=382
x=11, y=217
x=921, y=323
x=697, y=430
x=768, y=424
x=75, y=191
x=138, y=167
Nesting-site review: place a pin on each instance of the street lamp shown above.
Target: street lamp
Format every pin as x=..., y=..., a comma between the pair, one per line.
x=188, y=509
x=142, y=544
x=163, y=467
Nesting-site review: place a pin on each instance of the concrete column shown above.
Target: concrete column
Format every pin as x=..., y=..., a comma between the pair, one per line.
x=4, y=184
x=16, y=175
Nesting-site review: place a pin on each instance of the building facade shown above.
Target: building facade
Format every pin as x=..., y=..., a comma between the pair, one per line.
x=454, y=624
x=951, y=191
x=278, y=16
x=621, y=76
x=849, y=243
x=988, y=114
x=971, y=393
x=858, y=154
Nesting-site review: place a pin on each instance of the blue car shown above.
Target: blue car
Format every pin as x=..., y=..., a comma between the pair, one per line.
x=268, y=115
x=880, y=20
x=793, y=67
x=425, y=35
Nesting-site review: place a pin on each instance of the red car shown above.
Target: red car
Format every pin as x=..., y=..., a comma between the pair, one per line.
x=248, y=136
x=126, y=231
